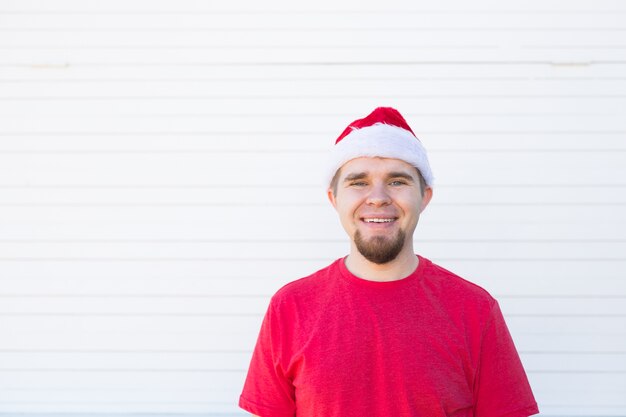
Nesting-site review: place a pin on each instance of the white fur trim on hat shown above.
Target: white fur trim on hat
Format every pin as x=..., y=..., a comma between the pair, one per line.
x=383, y=141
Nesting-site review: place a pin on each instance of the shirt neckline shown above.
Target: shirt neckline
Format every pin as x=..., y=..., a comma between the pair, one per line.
x=402, y=282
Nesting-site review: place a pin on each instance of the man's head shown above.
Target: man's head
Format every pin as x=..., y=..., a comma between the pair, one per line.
x=381, y=184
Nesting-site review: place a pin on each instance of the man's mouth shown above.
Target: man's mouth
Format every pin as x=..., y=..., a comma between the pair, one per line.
x=379, y=220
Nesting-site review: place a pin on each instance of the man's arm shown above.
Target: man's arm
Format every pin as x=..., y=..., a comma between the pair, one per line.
x=501, y=386
x=267, y=391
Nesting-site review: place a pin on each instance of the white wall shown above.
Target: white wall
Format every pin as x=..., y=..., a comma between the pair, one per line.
x=161, y=176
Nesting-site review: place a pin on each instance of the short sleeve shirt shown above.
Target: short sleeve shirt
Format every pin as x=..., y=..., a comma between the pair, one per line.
x=430, y=344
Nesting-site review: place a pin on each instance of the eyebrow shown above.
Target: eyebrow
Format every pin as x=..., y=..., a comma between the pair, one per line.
x=403, y=175
x=362, y=175
x=355, y=176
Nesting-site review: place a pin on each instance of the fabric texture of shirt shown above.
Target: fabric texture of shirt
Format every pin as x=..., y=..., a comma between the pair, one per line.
x=430, y=344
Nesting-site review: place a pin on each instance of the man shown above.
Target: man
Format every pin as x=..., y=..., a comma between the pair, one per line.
x=384, y=332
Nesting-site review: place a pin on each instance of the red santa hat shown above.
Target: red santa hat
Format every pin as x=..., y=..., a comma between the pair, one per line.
x=383, y=133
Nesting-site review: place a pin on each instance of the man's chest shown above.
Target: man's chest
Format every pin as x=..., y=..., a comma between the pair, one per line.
x=394, y=355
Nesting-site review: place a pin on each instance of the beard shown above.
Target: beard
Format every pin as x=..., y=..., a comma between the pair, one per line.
x=380, y=249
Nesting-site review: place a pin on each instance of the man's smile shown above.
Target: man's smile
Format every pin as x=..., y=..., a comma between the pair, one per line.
x=379, y=220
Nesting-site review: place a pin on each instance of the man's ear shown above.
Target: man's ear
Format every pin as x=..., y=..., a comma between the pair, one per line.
x=331, y=197
x=428, y=195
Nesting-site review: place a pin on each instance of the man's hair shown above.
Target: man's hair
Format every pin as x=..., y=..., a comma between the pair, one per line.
x=335, y=180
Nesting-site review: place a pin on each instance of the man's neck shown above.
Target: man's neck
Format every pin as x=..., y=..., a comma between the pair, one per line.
x=404, y=265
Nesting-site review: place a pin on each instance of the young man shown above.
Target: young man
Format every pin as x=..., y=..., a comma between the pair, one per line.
x=384, y=332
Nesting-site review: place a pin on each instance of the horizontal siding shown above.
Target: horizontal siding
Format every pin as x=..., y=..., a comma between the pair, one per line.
x=161, y=175
x=289, y=169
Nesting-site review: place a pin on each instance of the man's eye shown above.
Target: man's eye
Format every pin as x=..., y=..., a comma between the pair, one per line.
x=358, y=183
x=399, y=182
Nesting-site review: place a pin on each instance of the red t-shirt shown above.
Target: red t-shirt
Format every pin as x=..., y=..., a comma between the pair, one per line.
x=428, y=345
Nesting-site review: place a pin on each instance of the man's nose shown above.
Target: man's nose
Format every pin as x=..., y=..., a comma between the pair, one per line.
x=378, y=195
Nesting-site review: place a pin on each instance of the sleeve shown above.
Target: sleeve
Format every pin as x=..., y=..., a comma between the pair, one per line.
x=501, y=388
x=267, y=392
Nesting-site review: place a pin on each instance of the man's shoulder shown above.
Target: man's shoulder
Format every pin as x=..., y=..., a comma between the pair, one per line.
x=453, y=285
x=307, y=286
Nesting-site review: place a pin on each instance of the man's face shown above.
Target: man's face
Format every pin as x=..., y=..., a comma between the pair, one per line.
x=379, y=202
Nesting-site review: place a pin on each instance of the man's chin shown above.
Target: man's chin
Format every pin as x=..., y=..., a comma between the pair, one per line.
x=380, y=249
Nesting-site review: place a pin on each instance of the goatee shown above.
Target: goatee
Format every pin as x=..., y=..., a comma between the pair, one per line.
x=380, y=249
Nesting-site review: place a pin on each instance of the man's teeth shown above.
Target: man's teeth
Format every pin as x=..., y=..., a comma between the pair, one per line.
x=378, y=220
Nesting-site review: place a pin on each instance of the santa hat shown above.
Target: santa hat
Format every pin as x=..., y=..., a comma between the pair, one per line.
x=383, y=133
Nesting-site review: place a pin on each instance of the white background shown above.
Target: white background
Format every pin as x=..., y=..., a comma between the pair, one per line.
x=161, y=175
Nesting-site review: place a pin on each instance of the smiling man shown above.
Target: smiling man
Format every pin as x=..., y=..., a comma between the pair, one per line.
x=384, y=332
